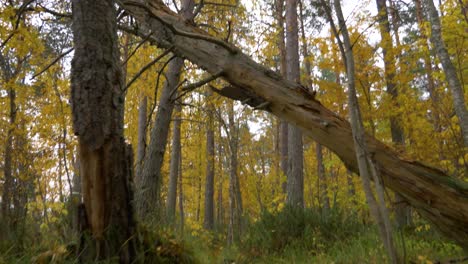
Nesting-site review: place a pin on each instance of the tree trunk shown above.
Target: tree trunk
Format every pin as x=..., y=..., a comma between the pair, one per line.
x=295, y=185
x=142, y=122
x=441, y=199
x=181, y=197
x=235, y=197
x=283, y=125
x=8, y=185
x=325, y=201
x=365, y=162
x=402, y=210
x=208, y=221
x=97, y=95
x=449, y=69
x=174, y=165
x=148, y=182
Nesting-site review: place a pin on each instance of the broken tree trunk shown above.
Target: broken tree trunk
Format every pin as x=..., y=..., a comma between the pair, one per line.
x=439, y=198
x=97, y=96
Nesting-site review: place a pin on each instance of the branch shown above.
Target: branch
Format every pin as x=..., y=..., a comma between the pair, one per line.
x=176, y=31
x=193, y=86
x=52, y=63
x=55, y=13
x=146, y=67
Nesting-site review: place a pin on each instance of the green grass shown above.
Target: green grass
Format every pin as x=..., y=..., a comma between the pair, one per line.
x=288, y=236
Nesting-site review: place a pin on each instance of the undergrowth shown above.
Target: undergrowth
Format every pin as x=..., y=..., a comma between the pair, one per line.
x=287, y=236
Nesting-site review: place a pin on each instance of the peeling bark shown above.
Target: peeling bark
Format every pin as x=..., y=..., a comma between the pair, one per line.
x=441, y=199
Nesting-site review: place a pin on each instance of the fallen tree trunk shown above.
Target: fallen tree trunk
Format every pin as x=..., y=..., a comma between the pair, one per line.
x=439, y=198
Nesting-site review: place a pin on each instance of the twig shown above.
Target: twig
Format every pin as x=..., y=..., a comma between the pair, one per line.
x=52, y=63
x=55, y=13
x=137, y=47
x=146, y=67
x=199, y=8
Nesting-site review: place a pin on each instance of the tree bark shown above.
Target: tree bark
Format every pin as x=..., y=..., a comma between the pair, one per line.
x=325, y=201
x=174, y=165
x=142, y=122
x=208, y=221
x=148, y=182
x=283, y=125
x=449, y=69
x=8, y=185
x=295, y=185
x=402, y=210
x=97, y=95
x=181, y=197
x=366, y=165
x=441, y=199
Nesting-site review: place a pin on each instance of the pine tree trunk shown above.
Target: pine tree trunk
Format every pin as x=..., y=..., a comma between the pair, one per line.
x=283, y=125
x=295, y=185
x=97, y=90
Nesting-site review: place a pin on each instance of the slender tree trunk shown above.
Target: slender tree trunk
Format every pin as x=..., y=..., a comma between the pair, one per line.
x=235, y=197
x=283, y=125
x=220, y=207
x=295, y=185
x=174, y=165
x=181, y=196
x=366, y=164
x=325, y=201
x=141, y=147
x=8, y=147
x=208, y=221
x=449, y=69
x=7, y=166
x=105, y=161
x=402, y=209
x=148, y=182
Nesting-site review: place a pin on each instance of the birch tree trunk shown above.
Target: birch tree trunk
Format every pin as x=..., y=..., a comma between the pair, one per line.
x=449, y=69
x=365, y=162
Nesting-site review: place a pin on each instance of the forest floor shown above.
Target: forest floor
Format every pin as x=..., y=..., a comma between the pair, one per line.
x=284, y=237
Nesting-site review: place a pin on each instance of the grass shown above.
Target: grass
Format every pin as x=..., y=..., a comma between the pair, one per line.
x=288, y=236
